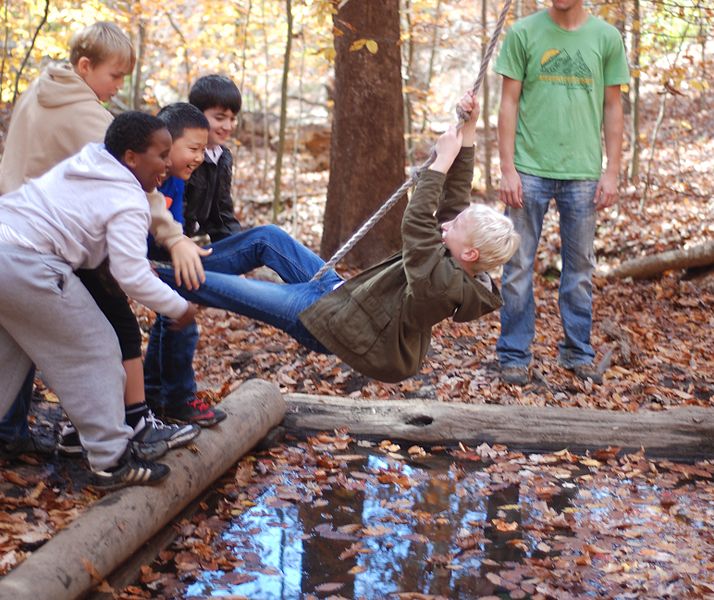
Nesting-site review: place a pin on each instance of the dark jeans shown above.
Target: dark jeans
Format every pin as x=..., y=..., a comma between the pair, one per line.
x=169, y=377
x=14, y=424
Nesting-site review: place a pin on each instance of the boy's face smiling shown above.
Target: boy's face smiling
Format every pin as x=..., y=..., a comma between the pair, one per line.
x=222, y=122
x=187, y=152
x=150, y=167
x=105, y=78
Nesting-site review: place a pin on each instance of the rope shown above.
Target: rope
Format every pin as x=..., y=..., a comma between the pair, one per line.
x=414, y=177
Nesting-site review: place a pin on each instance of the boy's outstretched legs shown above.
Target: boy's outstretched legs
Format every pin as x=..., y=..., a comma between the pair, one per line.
x=267, y=246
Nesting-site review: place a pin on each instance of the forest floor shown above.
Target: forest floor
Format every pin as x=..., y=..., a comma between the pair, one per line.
x=656, y=336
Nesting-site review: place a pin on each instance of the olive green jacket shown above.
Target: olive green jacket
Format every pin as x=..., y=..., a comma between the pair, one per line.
x=380, y=321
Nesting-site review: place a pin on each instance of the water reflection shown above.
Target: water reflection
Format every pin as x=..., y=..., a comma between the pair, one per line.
x=371, y=526
x=410, y=543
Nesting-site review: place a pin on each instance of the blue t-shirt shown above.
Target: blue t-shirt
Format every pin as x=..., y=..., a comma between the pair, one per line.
x=172, y=189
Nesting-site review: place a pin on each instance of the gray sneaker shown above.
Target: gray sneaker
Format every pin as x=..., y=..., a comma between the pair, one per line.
x=150, y=430
x=587, y=371
x=515, y=375
x=152, y=438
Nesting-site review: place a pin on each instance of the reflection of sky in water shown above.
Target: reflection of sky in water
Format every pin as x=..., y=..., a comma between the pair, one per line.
x=289, y=559
x=278, y=547
x=394, y=560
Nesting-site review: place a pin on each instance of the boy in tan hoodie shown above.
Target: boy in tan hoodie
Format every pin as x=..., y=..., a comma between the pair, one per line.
x=59, y=113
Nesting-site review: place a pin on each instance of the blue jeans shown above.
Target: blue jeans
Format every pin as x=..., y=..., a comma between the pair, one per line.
x=576, y=208
x=13, y=425
x=169, y=377
x=276, y=304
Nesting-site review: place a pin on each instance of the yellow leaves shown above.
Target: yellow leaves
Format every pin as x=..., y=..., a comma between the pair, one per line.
x=371, y=45
x=327, y=51
x=698, y=85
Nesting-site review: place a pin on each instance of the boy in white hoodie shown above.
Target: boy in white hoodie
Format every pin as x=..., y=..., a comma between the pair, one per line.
x=87, y=208
x=58, y=114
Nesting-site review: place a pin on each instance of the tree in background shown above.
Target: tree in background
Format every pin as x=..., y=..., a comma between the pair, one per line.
x=367, y=148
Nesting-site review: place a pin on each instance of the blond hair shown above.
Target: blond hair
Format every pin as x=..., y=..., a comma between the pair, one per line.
x=99, y=43
x=492, y=234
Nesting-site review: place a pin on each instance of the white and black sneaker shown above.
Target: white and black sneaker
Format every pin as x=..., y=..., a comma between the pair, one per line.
x=130, y=470
x=150, y=430
x=69, y=443
x=151, y=440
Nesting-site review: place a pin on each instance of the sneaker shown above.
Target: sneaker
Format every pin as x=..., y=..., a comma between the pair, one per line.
x=151, y=440
x=195, y=411
x=130, y=470
x=36, y=443
x=515, y=375
x=587, y=371
x=69, y=444
x=150, y=430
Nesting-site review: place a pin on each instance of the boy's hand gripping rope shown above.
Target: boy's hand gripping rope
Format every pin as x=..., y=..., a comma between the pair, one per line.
x=414, y=177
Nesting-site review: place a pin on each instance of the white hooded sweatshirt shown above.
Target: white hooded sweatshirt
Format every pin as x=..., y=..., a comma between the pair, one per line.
x=86, y=208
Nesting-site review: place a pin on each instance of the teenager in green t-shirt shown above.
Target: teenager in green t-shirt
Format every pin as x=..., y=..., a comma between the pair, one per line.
x=562, y=70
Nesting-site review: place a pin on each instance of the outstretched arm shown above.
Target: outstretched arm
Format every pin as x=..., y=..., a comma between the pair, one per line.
x=456, y=195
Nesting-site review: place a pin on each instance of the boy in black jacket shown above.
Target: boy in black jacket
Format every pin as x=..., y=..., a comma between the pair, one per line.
x=208, y=204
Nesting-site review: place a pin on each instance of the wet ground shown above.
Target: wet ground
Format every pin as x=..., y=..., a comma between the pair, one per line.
x=333, y=517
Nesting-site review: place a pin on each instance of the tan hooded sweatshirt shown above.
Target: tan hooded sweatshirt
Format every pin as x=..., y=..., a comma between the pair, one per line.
x=55, y=118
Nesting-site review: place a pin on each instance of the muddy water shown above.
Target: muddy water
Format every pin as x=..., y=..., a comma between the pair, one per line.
x=291, y=549
x=460, y=529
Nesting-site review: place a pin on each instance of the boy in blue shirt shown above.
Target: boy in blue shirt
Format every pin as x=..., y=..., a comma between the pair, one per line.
x=168, y=369
x=200, y=192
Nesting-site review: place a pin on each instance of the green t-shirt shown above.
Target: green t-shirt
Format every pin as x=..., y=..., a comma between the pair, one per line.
x=564, y=75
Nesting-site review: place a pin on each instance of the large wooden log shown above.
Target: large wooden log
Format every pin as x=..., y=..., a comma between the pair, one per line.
x=649, y=266
x=113, y=528
x=685, y=432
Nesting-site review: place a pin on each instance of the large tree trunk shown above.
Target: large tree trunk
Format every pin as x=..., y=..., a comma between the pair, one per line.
x=367, y=147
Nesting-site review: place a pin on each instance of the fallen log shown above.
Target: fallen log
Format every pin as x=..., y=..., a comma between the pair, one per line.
x=677, y=433
x=649, y=266
x=113, y=528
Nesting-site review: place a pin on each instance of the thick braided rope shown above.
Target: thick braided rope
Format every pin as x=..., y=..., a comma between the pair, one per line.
x=414, y=177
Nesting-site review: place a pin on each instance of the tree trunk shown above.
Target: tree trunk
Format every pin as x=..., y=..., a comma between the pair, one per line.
x=649, y=266
x=367, y=147
x=5, y=46
x=266, y=99
x=635, y=115
x=137, y=95
x=409, y=82
x=29, y=50
x=186, y=59
x=432, y=60
x=277, y=202
x=485, y=109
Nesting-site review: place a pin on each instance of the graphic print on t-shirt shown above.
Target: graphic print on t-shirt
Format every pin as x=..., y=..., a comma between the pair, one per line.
x=559, y=68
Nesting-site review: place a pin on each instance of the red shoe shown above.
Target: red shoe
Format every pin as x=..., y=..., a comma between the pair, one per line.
x=195, y=411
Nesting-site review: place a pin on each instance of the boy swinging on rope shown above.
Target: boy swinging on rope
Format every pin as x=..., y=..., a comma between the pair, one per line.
x=379, y=322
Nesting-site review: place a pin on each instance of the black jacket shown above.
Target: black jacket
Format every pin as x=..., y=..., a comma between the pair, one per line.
x=208, y=205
